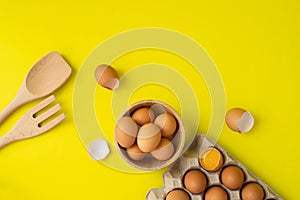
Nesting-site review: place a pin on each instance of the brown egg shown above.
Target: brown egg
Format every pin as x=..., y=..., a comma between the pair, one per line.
x=107, y=76
x=216, y=193
x=164, y=151
x=195, y=181
x=178, y=194
x=135, y=153
x=252, y=191
x=143, y=116
x=239, y=120
x=167, y=123
x=126, y=132
x=232, y=177
x=211, y=159
x=148, y=137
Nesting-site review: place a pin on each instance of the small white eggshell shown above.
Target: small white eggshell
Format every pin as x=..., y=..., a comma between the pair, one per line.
x=98, y=149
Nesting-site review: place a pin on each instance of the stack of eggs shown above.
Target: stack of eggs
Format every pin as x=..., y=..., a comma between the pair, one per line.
x=148, y=136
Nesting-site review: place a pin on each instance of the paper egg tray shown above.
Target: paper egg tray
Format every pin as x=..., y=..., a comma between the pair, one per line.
x=174, y=175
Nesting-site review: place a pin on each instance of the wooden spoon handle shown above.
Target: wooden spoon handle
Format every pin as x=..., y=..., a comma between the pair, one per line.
x=22, y=97
x=9, y=109
x=5, y=140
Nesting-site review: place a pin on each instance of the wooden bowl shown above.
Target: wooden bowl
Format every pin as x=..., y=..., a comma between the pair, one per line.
x=149, y=163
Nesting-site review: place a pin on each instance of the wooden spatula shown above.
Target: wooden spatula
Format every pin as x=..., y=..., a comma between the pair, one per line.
x=31, y=125
x=47, y=75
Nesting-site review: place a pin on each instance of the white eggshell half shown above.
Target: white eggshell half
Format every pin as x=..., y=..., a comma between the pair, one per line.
x=98, y=149
x=246, y=122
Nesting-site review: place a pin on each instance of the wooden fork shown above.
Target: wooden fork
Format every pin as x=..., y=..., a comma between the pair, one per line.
x=30, y=125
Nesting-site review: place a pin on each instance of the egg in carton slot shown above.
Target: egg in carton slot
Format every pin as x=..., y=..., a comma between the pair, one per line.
x=214, y=185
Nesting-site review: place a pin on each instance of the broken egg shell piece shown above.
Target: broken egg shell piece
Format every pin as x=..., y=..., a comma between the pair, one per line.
x=239, y=120
x=211, y=159
x=245, y=123
x=98, y=149
x=107, y=76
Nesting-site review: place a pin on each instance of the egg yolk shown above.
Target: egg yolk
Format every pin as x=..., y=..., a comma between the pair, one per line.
x=211, y=159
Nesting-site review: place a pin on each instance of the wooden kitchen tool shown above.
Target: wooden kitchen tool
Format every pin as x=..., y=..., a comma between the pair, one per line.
x=47, y=75
x=30, y=124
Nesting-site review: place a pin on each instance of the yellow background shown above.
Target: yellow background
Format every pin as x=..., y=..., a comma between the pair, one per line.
x=255, y=45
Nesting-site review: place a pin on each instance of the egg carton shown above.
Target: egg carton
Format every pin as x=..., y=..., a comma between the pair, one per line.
x=173, y=177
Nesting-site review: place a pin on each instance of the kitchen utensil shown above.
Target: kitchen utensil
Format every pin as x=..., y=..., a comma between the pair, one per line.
x=47, y=75
x=30, y=124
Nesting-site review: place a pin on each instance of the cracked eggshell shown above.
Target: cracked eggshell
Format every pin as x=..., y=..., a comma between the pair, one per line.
x=98, y=149
x=211, y=159
x=239, y=120
x=107, y=77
